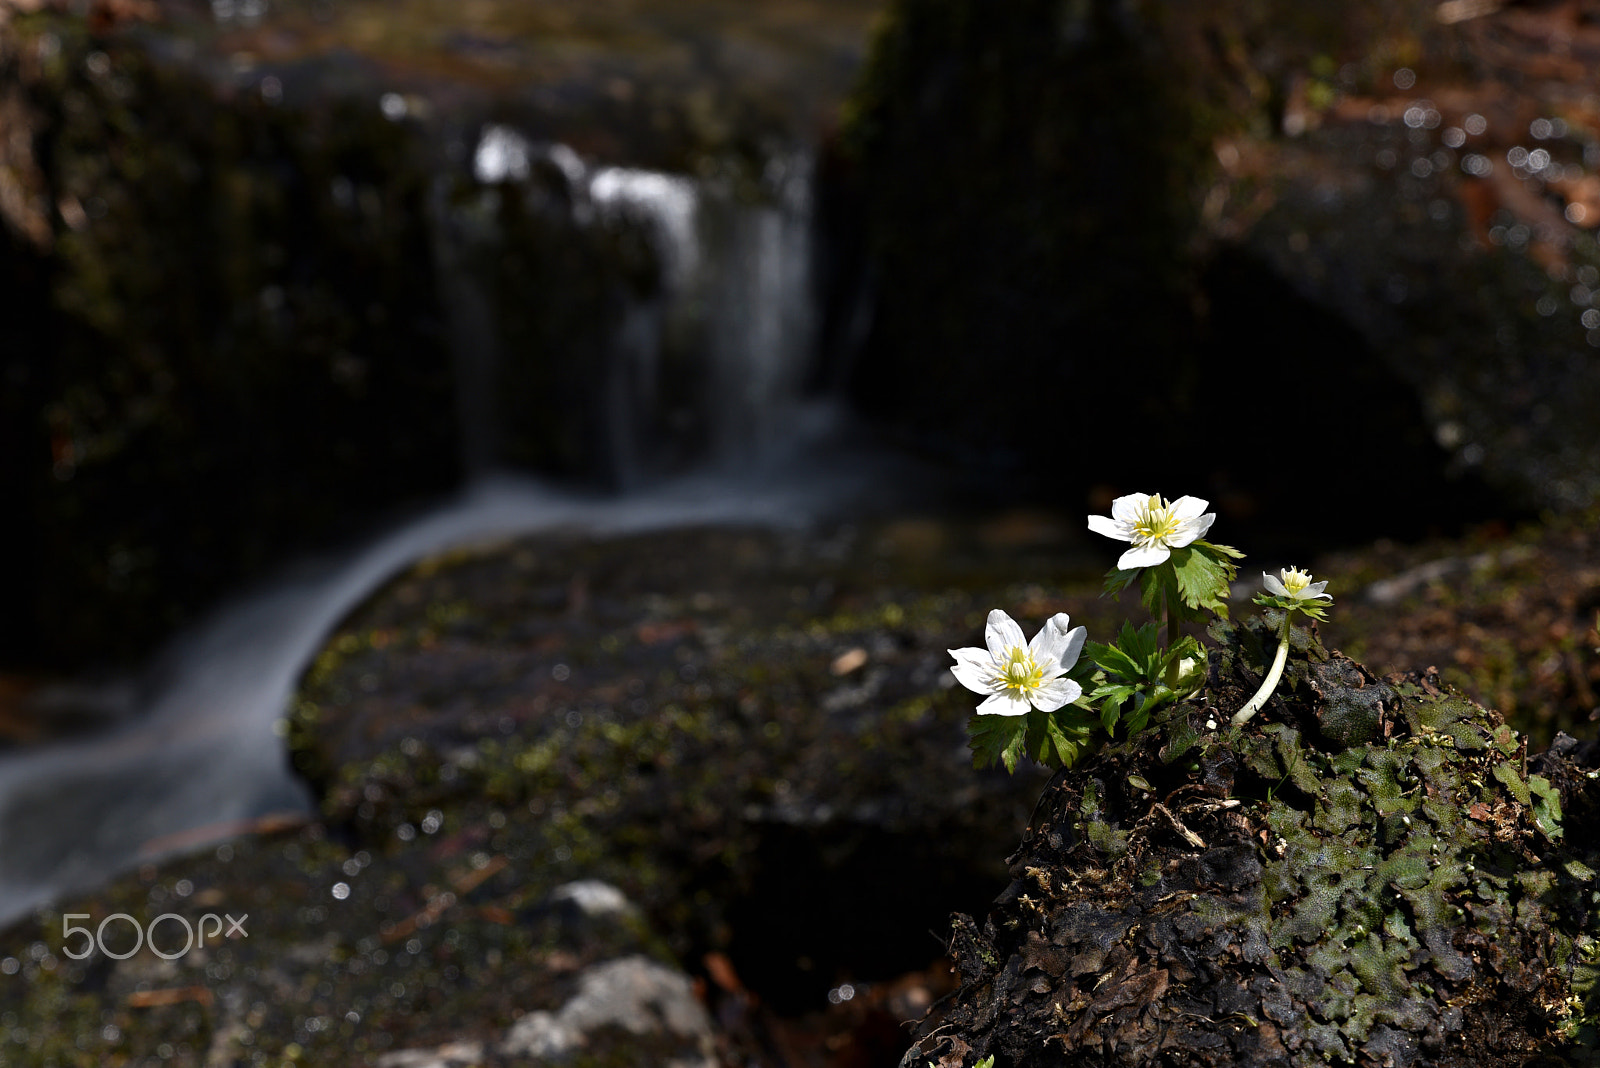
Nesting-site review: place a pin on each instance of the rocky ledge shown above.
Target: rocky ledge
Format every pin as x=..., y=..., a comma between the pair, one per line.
x=1373, y=871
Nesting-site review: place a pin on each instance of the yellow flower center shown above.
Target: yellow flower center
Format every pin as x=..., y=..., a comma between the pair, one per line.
x=1021, y=672
x=1295, y=580
x=1155, y=522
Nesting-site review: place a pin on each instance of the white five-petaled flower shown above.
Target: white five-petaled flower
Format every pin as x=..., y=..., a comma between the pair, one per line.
x=1155, y=527
x=1295, y=585
x=1017, y=675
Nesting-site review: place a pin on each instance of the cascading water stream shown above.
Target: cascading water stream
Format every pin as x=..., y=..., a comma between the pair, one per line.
x=198, y=751
x=710, y=363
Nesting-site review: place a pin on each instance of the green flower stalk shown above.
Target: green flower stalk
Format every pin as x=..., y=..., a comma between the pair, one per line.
x=1293, y=591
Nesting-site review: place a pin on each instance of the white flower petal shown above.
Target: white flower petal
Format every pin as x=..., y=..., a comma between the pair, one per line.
x=1181, y=537
x=1125, y=510
x=1143, y=556
x=973, y=669
x=1315, y=589
x=1003, y=704
x=1274, y=587
x=1052, y=695
x=1189, y=508
x=1203, y=524
x=1074, y=646
x=1002, y=634
x=1051, y=640
x=1110, y=528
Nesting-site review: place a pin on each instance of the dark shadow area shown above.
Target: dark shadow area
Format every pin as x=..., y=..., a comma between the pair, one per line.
x=847, y=903
x=1310, y=439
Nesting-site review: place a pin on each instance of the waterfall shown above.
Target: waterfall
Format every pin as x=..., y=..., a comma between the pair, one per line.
x=706, y=365
x=763, y=332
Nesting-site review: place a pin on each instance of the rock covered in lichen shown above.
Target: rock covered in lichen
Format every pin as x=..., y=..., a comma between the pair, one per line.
x=1366, y=873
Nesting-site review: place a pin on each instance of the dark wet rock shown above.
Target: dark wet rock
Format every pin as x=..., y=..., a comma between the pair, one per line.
x=229, y=362
x=626, y=1010
x=422, y=950
x=1506, y=616
x=1278, y=897
x=1235, y=196
x=1022, y=174
x=772, y=732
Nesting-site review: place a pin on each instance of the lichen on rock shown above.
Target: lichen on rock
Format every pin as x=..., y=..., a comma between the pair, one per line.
x=1371, y=872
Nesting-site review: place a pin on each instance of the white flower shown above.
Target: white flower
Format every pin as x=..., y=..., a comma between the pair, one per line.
x=1155, y=527
x=1296, y=585
x=1015, y=675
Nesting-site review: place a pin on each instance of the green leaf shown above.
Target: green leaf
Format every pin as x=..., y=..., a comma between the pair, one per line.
x=1110, y=712
x=996, y=739
x=1181, y=737
x=1165, y=666
x=1115, y=661
x=1013, y=752
x=1158, y=588
x=1118, y=580
x=1140, y=644
x=1112, y=696
x=1219, y=551
x=1070, y=729
x=1203, y=572
x=1315, y=609
x=1139, y=719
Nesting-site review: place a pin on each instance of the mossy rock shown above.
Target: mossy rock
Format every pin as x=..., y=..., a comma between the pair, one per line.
x=1200, y=895
x=736, y=724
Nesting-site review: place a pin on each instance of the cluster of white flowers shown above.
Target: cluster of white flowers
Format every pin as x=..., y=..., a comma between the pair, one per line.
x=1017, y=675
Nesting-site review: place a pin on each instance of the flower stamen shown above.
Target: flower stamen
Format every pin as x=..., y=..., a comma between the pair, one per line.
x=1021, y=674
x=1155, y=522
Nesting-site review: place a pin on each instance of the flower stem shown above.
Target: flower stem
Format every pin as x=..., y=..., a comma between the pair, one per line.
x=1254, y=705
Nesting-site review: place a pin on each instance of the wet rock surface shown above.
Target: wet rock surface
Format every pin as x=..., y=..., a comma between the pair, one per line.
x=1407, y=895
x=1505, y=615
x=1404, y=191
